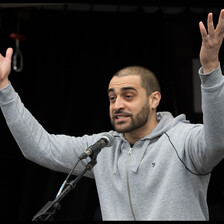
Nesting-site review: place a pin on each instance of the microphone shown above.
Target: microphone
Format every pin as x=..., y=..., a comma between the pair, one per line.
x=106, y=140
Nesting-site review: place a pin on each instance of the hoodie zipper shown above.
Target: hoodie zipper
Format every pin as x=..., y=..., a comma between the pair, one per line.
x=128, y=186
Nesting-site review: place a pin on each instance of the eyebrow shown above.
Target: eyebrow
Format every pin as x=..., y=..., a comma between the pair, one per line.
x=122, y=89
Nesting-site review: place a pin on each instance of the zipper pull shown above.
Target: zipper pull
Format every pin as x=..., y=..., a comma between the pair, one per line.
x=130, y=151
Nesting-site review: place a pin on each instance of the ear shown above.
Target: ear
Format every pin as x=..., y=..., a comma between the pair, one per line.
x=154, y=99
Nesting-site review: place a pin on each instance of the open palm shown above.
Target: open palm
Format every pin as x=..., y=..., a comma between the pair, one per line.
x=211, y=42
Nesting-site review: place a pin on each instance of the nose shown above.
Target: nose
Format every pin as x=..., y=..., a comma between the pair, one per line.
x=118, y=104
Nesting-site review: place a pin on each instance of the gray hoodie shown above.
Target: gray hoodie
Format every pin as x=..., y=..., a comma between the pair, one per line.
x=164, y=176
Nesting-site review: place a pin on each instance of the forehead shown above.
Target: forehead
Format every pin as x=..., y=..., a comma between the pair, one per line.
x=118, y=83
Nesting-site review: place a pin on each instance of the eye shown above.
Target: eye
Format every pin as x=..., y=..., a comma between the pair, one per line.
x=112, y=99
x=128, y=97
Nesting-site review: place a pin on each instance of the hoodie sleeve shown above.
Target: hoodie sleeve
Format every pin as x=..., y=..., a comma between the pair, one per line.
x=207, y=141
x=56, y=152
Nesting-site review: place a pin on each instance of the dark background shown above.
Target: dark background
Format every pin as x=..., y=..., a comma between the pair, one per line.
x=70, y=53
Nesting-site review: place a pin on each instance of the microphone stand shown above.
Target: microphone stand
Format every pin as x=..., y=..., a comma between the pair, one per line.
x=46, y=213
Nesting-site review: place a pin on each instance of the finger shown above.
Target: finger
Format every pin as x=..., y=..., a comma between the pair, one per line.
x=220, y=25
x=9, y=53
x=202, y=30
x=210, y=25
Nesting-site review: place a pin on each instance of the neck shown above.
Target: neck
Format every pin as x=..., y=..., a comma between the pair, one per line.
x=140, y=133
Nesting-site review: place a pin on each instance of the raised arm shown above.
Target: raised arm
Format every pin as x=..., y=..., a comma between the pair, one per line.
x=208, y=143
x=57, y=152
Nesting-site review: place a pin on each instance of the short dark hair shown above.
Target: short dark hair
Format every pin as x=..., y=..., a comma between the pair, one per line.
x=149, y=81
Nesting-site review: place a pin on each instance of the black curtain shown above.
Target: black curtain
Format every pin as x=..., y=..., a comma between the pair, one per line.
x=69, y=58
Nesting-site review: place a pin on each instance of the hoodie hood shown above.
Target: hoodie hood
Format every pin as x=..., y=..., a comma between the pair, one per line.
x=166, y=122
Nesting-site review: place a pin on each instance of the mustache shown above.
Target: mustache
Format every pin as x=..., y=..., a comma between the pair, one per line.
x=119, y=112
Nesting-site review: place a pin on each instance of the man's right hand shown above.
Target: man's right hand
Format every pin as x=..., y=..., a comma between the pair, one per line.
x=5, y=67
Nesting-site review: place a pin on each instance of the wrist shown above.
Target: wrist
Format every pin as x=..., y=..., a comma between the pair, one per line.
x=208, y=68
x=4, y=83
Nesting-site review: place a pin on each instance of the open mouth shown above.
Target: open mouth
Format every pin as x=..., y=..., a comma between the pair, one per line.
x=119, y=117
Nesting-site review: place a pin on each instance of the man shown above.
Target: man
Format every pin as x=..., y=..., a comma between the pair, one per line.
x=159, y=166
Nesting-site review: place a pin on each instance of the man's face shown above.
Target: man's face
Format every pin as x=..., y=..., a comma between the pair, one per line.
x=129, y=105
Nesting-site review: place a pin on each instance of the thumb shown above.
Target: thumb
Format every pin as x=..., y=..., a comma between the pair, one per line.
x=9, y=53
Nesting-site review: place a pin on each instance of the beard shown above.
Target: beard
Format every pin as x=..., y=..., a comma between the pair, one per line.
x=137, y=121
